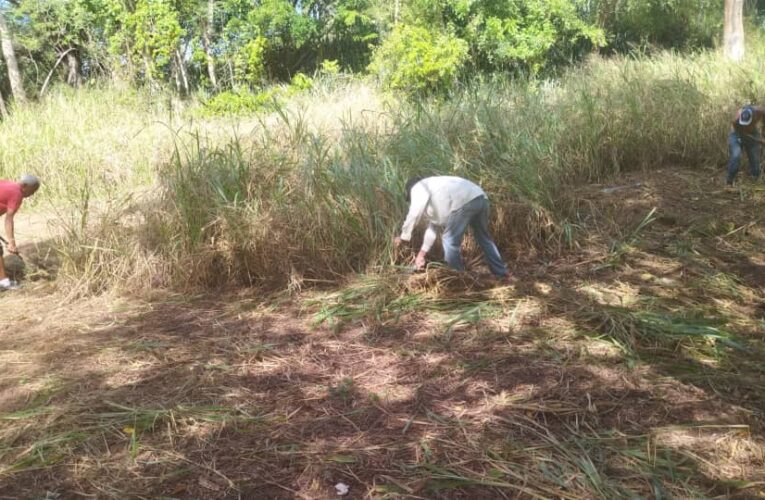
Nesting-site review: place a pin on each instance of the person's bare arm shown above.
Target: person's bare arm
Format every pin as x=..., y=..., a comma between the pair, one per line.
x=9, y=231
x=427, y=243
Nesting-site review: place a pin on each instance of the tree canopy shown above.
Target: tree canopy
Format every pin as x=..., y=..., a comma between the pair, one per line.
x=218, y=45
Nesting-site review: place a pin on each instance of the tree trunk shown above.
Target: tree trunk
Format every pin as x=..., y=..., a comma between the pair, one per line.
x=53, y=69
x=176, y=75
x=14, y=75
x=182, y=71
x=73, y=78
x=3, y=111
x=733, y=32
x=148, y=69
x=231, y=73
x=207, y=37
x=131, y=74
x=396, y=9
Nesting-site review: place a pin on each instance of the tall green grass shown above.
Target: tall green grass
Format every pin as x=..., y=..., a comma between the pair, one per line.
x=103, y=138
x=314, y=190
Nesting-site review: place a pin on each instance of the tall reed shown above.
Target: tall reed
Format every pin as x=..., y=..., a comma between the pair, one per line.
x=315, y=190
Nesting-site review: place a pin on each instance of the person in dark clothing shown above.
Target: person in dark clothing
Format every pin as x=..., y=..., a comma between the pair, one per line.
x=745, y=134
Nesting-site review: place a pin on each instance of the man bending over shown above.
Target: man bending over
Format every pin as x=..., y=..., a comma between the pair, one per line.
x=745, y=134
x=11, y=196
x=450, y=205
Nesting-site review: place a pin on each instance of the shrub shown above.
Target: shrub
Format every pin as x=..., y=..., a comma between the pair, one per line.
x=239, y=102
x=330, y=67
x=414, y=60
x=300, y=82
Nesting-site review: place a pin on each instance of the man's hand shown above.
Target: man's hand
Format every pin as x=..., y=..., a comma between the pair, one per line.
x=397, y=241
x=12, y=247
x=419, y=262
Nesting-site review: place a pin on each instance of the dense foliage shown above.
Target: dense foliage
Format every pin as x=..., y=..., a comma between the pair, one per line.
x=231, y=45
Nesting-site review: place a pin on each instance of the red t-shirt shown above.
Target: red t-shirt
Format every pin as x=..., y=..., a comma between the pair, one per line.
x=10, y=196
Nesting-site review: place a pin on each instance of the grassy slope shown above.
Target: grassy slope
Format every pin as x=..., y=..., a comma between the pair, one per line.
x=633, y=365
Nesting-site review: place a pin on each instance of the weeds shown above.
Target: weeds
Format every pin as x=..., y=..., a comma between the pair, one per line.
x=343, y=390
x=626, y=243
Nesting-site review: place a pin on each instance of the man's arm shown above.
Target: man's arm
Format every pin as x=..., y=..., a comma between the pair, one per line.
x=9, y=231
x=420, y=198
x=753, y=138
x=431, y=233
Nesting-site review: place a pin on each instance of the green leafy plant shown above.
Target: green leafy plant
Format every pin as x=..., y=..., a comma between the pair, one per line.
x=239, y=102
x=413, y=59
x=300, y=82
x=330, y=67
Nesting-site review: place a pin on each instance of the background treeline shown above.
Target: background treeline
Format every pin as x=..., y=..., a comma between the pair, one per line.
x=219, y=45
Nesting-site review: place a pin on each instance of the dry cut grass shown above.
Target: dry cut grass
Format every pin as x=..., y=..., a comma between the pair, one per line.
x=630, y=367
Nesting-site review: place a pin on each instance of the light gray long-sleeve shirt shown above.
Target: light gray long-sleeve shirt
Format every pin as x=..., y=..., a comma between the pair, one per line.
x=436, y=198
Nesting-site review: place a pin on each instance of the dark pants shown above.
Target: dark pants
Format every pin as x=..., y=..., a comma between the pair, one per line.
x=735, y=144
x=476, y=215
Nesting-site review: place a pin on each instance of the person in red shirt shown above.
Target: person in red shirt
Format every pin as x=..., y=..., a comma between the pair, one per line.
x=745, y=134
x=11, y=196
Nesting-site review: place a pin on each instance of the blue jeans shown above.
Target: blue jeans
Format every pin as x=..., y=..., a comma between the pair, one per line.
x=475, y=214
x=735, y=144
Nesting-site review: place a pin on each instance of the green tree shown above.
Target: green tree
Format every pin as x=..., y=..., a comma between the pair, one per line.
x=413, y=59
x=11, y=64
x=675, y=24
x=60, y=31
x=156, y=32
x=519, y=35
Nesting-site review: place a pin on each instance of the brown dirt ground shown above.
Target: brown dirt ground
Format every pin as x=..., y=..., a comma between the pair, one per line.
x=241, y=395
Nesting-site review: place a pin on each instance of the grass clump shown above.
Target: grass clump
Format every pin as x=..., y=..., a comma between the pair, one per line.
x=378, y=301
